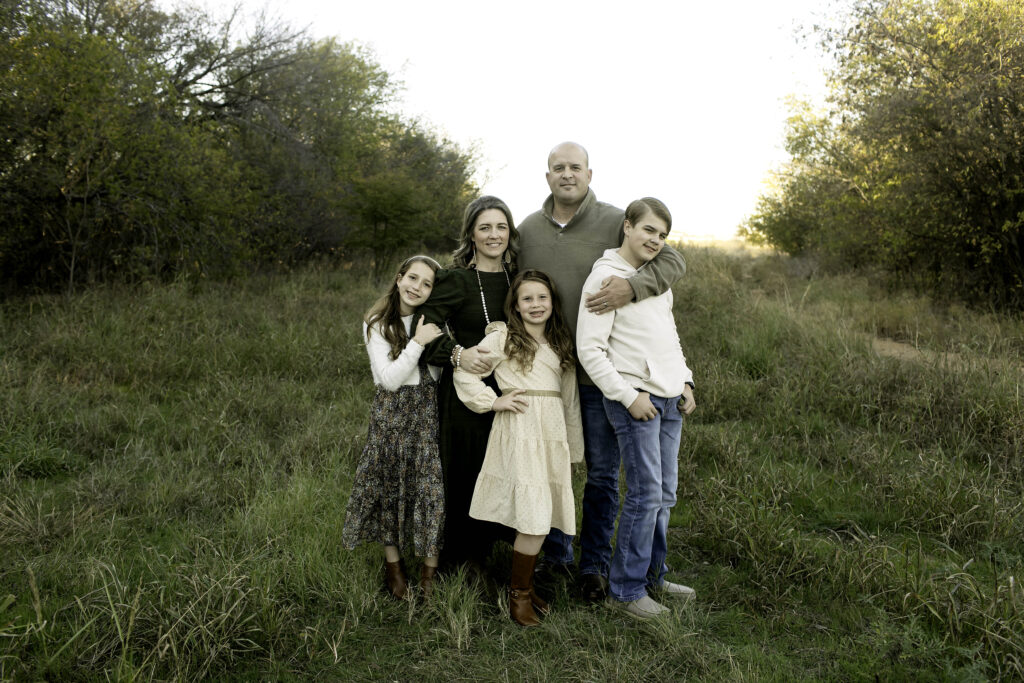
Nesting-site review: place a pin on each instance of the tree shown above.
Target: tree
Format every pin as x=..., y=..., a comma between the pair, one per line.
x=926, y=124
x=412, y=193
x=304, y=131
x=99, y=173
x=139, y=143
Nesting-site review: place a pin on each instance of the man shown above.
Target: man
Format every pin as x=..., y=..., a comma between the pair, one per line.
x=564, y=239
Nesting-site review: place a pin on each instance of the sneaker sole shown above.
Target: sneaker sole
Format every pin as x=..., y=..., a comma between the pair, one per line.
x=678, y=597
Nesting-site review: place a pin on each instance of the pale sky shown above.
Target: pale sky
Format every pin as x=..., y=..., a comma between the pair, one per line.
x=683, y=101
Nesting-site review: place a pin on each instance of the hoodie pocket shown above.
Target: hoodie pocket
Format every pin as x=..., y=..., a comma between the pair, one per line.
x=666, y=374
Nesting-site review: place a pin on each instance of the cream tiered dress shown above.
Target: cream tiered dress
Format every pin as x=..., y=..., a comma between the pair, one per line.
x=525, y=481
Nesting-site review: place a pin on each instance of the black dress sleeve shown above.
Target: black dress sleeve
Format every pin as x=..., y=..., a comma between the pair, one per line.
x=447, y=296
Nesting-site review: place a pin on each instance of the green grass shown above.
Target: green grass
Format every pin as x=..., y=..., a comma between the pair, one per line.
x=175, y=463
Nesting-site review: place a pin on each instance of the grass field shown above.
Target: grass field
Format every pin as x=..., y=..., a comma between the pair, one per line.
x=175, y=462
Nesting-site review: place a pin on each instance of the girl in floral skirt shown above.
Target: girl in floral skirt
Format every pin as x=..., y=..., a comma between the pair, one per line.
x=397, y=495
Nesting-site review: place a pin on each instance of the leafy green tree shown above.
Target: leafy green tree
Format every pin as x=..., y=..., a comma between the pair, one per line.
x=142, y=143
x=65, y=136
x=101, y=177
x=412, y=194
x=924, y=144
x=303, y=131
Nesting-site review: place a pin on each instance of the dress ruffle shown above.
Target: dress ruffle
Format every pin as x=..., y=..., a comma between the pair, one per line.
x=525, y=481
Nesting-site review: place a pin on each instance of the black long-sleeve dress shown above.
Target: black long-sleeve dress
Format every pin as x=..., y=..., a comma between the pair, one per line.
x=462, y=437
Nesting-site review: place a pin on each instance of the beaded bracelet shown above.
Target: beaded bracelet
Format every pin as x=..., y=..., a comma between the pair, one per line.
x=458, y=358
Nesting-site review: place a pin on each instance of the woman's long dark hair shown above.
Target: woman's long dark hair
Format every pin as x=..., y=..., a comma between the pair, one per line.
x=386, y=311
x=463, y=254
x=520, y=346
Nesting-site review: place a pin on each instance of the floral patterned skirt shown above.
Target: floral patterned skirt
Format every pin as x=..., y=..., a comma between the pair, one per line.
x=398, y=493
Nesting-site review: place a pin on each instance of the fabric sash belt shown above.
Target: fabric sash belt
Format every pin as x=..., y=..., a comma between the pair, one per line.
x=541, y=392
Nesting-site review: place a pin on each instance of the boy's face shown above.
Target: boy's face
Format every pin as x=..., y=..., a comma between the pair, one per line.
x=534, y=302
x=643, y=241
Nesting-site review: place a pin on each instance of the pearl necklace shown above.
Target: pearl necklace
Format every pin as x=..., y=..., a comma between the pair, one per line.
x=479, y=284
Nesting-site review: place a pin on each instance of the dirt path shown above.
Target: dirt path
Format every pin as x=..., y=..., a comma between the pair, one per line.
x=888, y=348
x=904, y=351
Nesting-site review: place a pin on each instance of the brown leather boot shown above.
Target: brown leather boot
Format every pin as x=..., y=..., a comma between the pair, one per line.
x=539, y=604
x=427, y=574
x=520, y=590
x=394, y=577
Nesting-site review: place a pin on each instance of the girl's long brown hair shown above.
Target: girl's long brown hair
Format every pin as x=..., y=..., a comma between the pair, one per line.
x=387, y=310
x=520, y=346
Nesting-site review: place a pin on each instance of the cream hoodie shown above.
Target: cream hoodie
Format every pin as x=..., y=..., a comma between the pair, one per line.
x=633, y=349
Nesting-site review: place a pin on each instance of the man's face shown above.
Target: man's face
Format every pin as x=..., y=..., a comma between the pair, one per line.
x=568, y=174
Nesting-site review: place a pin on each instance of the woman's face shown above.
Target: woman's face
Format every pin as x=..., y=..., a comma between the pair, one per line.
x=414, y=287
x=490, y=234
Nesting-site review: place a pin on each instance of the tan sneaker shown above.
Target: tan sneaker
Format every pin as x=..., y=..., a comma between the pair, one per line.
x=677, y=591
x=644, y=608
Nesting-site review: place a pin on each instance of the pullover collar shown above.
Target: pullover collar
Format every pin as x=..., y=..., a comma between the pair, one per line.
x=548, y=208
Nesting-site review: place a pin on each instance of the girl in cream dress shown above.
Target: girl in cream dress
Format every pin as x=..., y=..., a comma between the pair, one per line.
x=525, y=482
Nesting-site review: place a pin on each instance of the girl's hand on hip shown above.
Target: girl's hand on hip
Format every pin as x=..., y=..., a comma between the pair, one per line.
x=426, y=333
x=511, y=401
x=642, y=408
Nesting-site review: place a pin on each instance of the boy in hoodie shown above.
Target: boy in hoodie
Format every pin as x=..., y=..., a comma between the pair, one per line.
x=633, y=356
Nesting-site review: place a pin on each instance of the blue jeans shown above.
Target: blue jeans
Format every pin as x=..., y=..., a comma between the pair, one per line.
x=600, y=495
x=650, y=457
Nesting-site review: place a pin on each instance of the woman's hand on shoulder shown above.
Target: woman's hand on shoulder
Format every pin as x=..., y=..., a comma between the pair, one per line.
x=512, y=401
x=426, y=332
x=476, y=360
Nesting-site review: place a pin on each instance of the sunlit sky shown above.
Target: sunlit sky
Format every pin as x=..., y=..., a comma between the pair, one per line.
x=681, y=100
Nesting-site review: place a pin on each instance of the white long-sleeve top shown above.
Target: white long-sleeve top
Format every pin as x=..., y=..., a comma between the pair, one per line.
x=632, y=349
x=392, y=374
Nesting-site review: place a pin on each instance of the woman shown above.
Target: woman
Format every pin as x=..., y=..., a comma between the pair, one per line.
x=467, y=297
